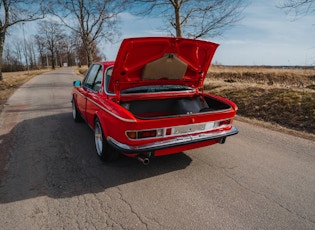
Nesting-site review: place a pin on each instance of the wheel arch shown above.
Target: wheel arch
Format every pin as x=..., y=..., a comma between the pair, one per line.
x=76, y=114
x=74, y=98
x=98, y=116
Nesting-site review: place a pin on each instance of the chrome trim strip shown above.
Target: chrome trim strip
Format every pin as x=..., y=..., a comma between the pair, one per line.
x=184, y=140
x=106, y=110
x=77, y=91
x=104, y=80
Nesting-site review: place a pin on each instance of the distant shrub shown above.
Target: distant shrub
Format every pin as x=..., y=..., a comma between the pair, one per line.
x=311, y=87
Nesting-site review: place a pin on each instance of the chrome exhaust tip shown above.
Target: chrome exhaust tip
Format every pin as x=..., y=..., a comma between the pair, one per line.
x=144, y=160
x=222, y=140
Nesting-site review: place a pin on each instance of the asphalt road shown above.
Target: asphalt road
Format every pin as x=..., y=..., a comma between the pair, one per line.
x=51, y=177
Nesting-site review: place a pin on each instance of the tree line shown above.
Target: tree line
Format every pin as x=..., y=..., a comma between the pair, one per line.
x=52, y=47
x=69, y=31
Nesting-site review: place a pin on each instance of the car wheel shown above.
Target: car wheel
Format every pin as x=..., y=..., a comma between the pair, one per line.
x=75, y=113
x=103, y=149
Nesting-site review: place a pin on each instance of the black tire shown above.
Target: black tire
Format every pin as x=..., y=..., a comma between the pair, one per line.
x=75, y=113
x=103, y=149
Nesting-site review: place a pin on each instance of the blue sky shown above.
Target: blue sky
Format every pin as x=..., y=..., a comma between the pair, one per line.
x=265, y=36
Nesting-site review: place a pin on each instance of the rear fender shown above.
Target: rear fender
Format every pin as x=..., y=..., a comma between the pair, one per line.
x=104, y=126
x=225, y=100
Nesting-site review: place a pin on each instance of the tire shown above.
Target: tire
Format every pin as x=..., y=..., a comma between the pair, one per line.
x=75, y=113
x=103, y=149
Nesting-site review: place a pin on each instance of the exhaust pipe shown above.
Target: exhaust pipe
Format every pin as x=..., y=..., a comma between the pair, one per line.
x=144, y=160
x=222, y=140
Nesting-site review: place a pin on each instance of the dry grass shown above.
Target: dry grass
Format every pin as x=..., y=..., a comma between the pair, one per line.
x=279, y=77
x=11, y=81
x=279, y=96
x=82, y=70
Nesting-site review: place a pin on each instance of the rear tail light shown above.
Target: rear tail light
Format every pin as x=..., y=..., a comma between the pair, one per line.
x=221, y=123
x=225, y=122
x=168, y=131
x=178, y=130
x=132, y=134
x=145, y=134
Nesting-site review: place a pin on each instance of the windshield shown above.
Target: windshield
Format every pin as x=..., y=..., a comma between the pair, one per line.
x=156, y=88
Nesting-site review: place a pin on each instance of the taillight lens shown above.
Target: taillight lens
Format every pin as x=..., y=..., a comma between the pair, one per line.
x=168, y=131
x=223, y=123
x=132, y=135
x=145, y=134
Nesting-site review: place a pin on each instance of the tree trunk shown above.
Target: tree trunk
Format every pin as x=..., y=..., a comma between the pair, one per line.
x=53, y=60
x=89, y=54
x=89, y=58
x=2, y=37
x=178, y=26
x=87, y=47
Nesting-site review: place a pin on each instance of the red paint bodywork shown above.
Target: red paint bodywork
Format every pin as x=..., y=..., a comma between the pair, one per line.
x=194, y=57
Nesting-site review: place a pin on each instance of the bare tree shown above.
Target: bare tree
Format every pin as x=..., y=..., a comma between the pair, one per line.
x=68, y=46
x=81, y=56
x=29, y=54
x=18, y=50
x=51, y=34
x=41, y=48
x=194, y=18
x=12, y=57
x=299, y=7
x=17, y=11
x=64, y=51
x=8, y=59
x=90, y=19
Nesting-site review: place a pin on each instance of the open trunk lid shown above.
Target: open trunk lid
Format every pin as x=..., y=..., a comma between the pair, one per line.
x=161, y=61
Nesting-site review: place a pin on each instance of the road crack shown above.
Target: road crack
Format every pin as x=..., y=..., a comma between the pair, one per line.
x=131, y=208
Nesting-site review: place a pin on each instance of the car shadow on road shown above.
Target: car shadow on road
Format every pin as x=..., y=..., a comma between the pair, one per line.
x=54, y=156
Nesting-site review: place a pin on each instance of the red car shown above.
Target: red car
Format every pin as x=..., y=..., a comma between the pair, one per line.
x=151, y=102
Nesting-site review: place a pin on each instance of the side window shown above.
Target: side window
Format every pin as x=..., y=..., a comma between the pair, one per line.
x=98, y=80
x=107, y=77
x=89, y=79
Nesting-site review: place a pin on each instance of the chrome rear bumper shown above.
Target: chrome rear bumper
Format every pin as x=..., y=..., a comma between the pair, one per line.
x=178, y=141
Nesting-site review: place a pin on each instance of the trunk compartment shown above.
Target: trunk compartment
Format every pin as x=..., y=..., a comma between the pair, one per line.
x=151, y=109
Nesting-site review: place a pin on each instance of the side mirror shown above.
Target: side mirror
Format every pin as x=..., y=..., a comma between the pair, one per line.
x=77, y=83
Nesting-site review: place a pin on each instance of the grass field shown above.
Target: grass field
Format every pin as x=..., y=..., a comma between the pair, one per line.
x=281, y=97
x=11, y=81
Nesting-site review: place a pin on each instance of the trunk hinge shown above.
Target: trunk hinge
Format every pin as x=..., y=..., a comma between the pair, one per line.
x=201, y=82
x=117, y=91
x=202, y=94
x=200, y=91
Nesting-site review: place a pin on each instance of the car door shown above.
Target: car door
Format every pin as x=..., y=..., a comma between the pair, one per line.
x=92, y=104
x=87, y=85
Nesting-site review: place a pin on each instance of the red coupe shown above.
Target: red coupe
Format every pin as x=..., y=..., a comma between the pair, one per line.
x=151, y=102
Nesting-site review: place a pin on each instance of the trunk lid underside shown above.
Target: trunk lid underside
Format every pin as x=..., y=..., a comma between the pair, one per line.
x=161, y=61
